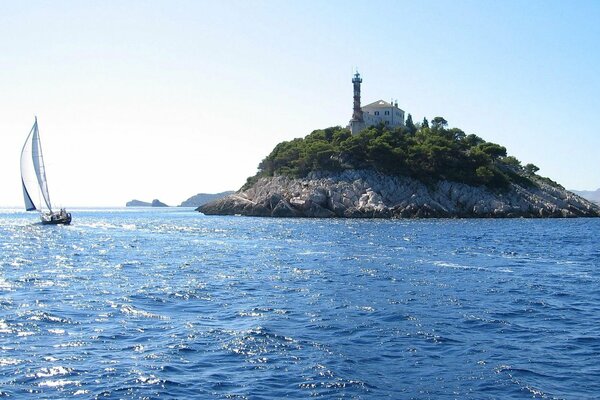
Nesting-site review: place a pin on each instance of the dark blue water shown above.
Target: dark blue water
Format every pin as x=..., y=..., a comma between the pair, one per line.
x=173, y=304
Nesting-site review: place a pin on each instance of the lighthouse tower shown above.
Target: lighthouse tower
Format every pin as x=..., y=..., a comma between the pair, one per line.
x=379, y=112
x=357, y=123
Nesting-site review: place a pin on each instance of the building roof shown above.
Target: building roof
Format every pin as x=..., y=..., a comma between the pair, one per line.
x=381, y=104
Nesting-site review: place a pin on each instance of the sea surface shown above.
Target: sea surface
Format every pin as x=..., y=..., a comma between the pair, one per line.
x=171, y=304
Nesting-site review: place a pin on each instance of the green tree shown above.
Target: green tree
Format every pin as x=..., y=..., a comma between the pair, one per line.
x=425, y=123
x=484, y=173
x=512, y=161
x=473, y=140
x=439, y=122
x=531, y=169
x=410, y=125
x=457, y=134
x=493, y=150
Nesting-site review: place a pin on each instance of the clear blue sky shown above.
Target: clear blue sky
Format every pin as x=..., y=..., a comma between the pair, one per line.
x=165, y=99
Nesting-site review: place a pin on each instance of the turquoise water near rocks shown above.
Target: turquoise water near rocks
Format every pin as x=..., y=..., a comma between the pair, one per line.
x=169, y=303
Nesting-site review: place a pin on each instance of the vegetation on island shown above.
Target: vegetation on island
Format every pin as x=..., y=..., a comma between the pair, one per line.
x=428, y=151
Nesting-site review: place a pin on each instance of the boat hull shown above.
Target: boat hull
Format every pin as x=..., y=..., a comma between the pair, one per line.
x=56, y=219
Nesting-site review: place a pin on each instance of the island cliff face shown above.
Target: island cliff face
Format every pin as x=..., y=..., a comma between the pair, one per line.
x=370, y=194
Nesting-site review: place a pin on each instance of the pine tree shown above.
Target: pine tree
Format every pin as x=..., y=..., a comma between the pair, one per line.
x=425, y=123
x=410, y=126
x=439, y=122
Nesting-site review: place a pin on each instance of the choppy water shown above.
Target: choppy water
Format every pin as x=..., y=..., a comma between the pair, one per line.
x=173, y=304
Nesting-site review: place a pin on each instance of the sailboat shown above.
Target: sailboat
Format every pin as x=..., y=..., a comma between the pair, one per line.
x=33, y=179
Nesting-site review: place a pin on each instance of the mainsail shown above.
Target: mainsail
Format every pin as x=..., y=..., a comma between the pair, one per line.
x=33, y=172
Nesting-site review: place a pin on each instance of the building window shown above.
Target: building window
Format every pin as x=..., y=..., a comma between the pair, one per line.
x=376, y=112
x=387, y=113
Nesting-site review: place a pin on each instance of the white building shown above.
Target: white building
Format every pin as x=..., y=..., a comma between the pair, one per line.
x=374, y=113
x=382, y=111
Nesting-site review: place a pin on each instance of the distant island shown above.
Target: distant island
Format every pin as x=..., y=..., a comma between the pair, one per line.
x=203, y=198
x=412, y=171
x=591, y=195
x=138, y=203
x=194, y=201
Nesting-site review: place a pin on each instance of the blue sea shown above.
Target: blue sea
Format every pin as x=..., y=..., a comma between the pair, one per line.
x=172, y=304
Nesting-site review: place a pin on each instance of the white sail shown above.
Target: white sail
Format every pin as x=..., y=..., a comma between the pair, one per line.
x=33, y=172
x=28, y=179
x=38, y=165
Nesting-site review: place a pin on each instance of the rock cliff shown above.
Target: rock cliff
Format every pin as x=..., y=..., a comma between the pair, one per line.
x=369, y=194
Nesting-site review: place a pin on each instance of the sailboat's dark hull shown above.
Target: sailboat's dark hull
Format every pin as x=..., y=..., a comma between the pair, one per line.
x=56, y=219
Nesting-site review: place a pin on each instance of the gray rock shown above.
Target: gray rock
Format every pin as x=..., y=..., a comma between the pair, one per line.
x=316, y=211
x=283, y=209
x=369, y=194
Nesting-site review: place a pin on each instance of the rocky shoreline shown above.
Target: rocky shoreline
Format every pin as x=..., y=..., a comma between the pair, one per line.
x=369, y=194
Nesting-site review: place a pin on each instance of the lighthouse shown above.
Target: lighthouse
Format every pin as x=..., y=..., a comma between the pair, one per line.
x=357, y=123
x=379, y=112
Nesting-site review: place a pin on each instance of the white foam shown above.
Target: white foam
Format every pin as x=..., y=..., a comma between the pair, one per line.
x=58, y=383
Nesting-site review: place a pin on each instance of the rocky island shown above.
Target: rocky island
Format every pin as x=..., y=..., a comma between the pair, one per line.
x=384, y=165
x=412, y=171
x=203, y=198
x=591, y=195
x=139, y=203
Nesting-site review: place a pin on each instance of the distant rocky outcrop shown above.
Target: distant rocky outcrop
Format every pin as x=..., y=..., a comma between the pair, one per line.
x=203, y=198
x=370, y=194
x=139, y=203
x=592, y=195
